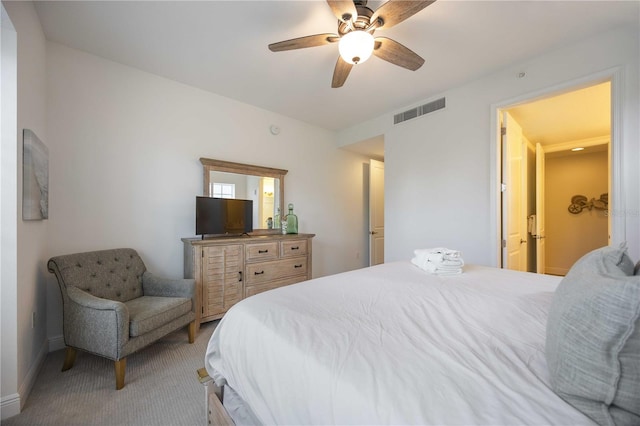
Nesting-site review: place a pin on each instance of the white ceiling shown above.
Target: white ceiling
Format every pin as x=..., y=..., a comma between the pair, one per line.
x=221, y=47
x=569, y=117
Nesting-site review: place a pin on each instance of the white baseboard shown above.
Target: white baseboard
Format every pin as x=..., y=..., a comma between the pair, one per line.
x=56, y=343
x=10, y=406
x=32, y=374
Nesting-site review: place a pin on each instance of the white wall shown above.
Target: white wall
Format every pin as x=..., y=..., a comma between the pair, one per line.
x=125, y=165
x=440, y=183
x=30, y=286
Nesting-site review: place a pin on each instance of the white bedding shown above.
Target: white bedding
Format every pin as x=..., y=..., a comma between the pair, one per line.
x=392, y=344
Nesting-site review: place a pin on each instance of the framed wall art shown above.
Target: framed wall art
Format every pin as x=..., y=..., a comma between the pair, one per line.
x=35, y=177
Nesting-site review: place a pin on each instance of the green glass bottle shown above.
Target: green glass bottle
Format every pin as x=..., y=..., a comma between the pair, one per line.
x=292, y=221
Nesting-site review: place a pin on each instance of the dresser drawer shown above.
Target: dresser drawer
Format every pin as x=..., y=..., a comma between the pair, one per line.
x=261, y=251
x=292, y=248
x=269, y=271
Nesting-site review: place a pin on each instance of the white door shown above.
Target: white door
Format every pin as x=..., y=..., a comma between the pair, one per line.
x=376, y=212
x=514, y=214
x=540, y=232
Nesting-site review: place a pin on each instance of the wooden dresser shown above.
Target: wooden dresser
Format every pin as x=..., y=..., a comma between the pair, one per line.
x=228, y=269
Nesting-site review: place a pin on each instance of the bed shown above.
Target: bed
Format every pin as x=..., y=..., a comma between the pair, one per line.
x=392, y=344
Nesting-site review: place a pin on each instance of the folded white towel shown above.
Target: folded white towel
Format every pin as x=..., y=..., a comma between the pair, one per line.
x=431, y=257
x=445, y=253
x=438, y=268
x=445, y=263
x=439, y=261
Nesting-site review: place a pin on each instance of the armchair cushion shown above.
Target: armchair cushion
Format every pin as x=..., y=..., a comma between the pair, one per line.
x=147, y=313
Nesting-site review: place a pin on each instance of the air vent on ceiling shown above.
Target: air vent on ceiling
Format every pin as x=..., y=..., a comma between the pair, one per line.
x=418, y=111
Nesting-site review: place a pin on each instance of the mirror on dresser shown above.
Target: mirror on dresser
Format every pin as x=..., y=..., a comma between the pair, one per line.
x=263, y=185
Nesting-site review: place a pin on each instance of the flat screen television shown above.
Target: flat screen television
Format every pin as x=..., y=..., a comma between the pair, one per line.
x=219, y=216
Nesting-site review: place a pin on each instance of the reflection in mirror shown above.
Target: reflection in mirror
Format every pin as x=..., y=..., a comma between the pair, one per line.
x=262, y=190
x=263, y=185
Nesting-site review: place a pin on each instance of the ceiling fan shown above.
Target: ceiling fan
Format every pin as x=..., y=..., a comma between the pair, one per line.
x=356, y=25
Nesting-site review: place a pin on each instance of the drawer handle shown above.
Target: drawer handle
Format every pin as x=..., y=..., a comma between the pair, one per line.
x=263, y=251
x=240, y=276
x=297, y=266
x=258, y=273
x=295, y=248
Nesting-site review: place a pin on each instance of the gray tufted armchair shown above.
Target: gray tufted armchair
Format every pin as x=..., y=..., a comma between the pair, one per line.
x=112, y=306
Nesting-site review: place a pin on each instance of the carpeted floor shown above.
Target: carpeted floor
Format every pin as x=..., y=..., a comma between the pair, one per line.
x=161, y=387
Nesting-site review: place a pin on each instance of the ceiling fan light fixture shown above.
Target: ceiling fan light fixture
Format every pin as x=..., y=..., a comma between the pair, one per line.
x=356, y=25
x=356, y=46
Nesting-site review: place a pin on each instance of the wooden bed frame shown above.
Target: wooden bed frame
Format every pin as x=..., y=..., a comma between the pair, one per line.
x=216, y=414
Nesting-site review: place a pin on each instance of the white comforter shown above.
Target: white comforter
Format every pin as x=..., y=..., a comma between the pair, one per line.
x=393, y=344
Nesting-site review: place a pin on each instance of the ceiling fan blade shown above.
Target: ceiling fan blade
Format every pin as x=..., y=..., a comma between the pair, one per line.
x=397, y=54
x=345, y=11
x=302, y=42
x=393, y=12
x=341, y=72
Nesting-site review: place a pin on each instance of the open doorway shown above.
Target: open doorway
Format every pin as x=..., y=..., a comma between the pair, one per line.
x=556, y=175
x=373, y=194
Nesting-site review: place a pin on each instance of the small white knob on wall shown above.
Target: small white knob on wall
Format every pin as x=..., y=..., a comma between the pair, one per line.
x=275, y=130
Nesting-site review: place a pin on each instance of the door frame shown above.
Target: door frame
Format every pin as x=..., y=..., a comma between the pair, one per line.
x=618, y=222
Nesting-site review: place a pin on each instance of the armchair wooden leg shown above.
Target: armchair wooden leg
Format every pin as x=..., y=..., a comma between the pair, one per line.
x=69, y=358
x=192, y=331
x=120, y=366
